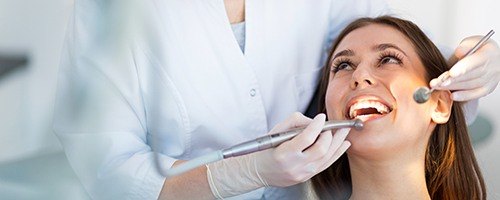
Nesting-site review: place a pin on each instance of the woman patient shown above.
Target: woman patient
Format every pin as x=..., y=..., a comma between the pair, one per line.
x=406, y=150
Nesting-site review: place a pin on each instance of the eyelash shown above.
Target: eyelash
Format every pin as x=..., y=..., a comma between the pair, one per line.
x=340, y=61
x=388, y=54
x=384, y=55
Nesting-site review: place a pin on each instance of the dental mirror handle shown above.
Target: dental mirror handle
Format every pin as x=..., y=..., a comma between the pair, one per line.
x=273, y=140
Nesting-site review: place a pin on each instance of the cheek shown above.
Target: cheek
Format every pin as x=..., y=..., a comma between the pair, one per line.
x=335, y=92
x=408, y=111
x=403, y=86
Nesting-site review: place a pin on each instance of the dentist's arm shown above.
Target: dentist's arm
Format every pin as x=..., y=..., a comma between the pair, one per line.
x=292, y=162
x=190, y=185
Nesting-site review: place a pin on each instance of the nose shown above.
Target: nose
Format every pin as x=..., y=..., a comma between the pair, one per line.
x=362, y=78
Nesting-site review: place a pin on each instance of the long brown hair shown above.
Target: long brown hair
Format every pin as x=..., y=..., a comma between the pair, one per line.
x=451, y=168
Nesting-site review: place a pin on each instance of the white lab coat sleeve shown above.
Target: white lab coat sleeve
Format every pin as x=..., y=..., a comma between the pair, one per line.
x=99, y=114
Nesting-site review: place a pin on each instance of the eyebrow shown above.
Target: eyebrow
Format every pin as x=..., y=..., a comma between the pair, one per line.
x=380, y=47
x=384, y=46
x=347, y=52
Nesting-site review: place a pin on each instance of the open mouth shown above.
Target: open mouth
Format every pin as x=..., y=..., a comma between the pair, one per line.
x=367, y=109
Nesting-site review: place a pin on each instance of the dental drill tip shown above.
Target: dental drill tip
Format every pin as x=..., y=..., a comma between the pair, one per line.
x=421, y=95
x=358, y=124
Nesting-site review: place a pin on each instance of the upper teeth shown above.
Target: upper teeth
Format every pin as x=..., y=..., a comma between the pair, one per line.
x=381, y=108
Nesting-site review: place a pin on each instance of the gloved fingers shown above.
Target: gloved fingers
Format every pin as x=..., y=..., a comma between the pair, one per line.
x=434, y=82
x=338, y=140
x=468, y=63
x=310, y=169
x=489, y=51
x=316, y=153
x=461, y=70
x=320, y=147
x=468, y=95
x=483, y=87
x=477, y=73
x=468, y=43
x=336, y=155
x=316, y=161
x=295, y=120
x=311, y=154
x=474, y=71
x=335, y=146
x=308, y=136
x=466, y=85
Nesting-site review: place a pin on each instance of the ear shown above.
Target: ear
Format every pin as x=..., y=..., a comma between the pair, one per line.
x=443, y=103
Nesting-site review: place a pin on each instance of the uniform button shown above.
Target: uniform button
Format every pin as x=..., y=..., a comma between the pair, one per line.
x=253, y=92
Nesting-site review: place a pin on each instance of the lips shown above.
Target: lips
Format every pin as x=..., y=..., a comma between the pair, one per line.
x=367, y=108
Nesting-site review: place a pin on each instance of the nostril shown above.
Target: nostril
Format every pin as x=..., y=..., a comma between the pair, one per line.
x=368, y=81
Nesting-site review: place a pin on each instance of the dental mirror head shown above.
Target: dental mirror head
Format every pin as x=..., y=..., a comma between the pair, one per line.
x=421, y=95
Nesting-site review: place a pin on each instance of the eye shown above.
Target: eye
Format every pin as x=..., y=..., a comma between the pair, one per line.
x=342, y=64
x=390, y=58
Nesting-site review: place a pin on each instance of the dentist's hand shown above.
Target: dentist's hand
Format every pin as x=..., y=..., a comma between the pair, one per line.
x=305, y=155
x=292, y=162
x=476, y=75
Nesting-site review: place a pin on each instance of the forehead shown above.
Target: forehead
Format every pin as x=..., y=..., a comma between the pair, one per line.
x=371, y=35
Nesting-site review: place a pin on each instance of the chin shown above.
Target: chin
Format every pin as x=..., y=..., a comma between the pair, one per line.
x=376, y=140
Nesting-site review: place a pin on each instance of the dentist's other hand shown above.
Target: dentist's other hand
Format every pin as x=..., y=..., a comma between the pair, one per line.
x=476, y=75
x=292, y=162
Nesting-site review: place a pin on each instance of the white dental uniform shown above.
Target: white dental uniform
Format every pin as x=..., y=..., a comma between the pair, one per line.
x=187, y=89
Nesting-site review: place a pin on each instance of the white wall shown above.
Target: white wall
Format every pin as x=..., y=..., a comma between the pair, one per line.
x=26, y=96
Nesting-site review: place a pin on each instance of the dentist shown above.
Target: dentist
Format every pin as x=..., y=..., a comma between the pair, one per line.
x=197, y=76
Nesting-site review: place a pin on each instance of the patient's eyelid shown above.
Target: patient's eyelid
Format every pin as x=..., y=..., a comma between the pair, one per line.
x=390, y=57
x=342, y=63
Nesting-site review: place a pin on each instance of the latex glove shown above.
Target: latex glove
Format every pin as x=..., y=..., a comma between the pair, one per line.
x=292, y=162
x=474, y=76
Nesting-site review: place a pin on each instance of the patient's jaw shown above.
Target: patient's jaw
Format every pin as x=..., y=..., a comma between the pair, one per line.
x=374, y=72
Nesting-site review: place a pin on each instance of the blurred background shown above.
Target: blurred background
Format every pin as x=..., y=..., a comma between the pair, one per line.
x=32, y=164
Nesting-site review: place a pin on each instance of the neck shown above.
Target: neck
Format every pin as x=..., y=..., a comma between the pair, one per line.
x=388, y=179
x=235, y=10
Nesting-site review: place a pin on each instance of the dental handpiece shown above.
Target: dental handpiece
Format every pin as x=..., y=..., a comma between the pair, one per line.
x=259, y=144
x=422, y=94
x=273, y=140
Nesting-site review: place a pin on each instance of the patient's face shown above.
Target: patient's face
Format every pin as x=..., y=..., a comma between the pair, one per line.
x=374, y=72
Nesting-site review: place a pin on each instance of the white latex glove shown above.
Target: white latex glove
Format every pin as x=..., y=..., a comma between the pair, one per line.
x=474, y=76
x=292, y=162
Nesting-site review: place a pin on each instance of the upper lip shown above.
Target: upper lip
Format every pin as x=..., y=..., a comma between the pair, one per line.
x=365, y=97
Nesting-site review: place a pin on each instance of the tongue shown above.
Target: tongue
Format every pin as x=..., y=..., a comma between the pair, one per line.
x=367, y=111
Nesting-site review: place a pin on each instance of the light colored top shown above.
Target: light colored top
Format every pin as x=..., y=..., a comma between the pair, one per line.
x=183, y=86
x=239, y=34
